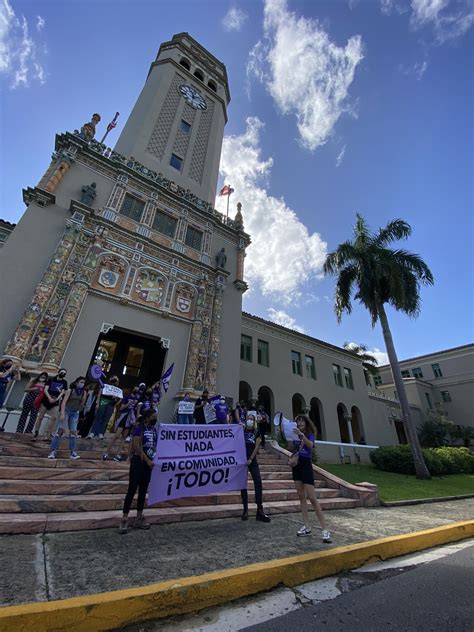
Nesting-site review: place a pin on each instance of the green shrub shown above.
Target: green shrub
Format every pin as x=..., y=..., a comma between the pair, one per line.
x=439, y=461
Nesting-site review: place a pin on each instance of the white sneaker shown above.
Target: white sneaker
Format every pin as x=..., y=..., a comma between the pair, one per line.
x=74, y=455
x=101, y=436
x=90, y=436
x=326, y=536
x=304, y=531
x=128, y=439
x=52, y=454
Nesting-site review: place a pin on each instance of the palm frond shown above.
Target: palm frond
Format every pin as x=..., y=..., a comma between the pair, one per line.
x=393, y=231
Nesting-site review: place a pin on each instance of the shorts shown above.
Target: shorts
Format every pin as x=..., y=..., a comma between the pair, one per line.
x=47, y=404
x=304, y=471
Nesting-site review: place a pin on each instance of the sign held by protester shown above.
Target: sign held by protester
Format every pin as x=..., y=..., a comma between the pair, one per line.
x=197, y=461
x=112, y=391
x=209, y=413
x=185, y=408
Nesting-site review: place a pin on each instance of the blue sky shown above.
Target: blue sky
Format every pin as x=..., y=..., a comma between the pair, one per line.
x=338, y=107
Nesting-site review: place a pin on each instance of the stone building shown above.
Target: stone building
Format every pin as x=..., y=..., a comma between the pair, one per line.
x=123, y=256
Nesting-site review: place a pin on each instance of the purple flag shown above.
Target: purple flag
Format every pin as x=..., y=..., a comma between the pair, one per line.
x=197, y=461
x=166, y=378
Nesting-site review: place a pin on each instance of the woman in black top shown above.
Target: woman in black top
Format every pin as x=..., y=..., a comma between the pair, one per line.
x=252, y=445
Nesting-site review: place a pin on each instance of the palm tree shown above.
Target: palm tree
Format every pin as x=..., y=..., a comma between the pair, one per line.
x=369, y=362
x=379, y=274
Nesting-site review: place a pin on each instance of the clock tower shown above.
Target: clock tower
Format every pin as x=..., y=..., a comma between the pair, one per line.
x=177, y=124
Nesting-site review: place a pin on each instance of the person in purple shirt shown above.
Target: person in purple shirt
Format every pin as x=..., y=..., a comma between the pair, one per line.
x=303, y=476
x=222, y=412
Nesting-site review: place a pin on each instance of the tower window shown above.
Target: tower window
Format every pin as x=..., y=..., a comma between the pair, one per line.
x=212, y=85
x=132, y=207
x=185, y=63
x=185, y=127
x=176, y=162
x=193, y=238
x=198, y=74
x=165, y=224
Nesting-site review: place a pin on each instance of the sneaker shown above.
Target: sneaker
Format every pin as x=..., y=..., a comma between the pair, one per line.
x=141, y=524
x=101, y=436
x=304, y=531
x=90, y=435
x=245, y=516
x=326, y=536
x=128, y=439
x=105, y=457
x=123, y=528
x=117, y=457
x=74, y=455
x=52, y=455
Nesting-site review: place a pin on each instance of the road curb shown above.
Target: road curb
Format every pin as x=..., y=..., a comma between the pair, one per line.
x=424, y=501
x=111, y=610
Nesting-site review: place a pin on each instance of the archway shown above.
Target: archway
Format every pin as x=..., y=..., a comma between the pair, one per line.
x=245, y=392
x=357, y=427
x=298, y=405
x=343, y=416
x=316, y=415
x=265, y=399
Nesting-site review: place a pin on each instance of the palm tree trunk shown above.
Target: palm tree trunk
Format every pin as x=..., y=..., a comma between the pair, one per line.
x=420, y=465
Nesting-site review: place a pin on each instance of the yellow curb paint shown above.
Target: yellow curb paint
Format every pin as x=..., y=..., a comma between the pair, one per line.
x=106, y=611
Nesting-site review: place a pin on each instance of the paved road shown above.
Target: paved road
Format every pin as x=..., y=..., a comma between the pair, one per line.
x=435, y=597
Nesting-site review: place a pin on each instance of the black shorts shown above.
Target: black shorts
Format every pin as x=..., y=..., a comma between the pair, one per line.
x=47, y=404
x=303, y=471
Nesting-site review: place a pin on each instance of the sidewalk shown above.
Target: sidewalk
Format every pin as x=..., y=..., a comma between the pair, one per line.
x=60, y=565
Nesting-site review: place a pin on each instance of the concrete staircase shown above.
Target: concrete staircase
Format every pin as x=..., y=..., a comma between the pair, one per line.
x=39, y=495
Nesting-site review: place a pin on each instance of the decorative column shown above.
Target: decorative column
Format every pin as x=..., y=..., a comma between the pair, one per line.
x=195, y=369
x=214, y=341
x=58, y=174
x=23, y=335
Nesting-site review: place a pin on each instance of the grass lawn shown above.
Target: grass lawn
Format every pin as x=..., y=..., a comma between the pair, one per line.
x=400, y=486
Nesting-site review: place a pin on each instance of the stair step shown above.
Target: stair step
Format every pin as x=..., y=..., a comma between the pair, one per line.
x=49, y=523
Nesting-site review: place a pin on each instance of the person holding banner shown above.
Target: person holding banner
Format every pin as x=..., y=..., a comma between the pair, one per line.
x=108, y=397
x=185, y=410
x=142, y=452
x=252, y=445
x=302, y=469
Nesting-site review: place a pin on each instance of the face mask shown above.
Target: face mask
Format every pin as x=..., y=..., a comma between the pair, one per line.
x=249, y=425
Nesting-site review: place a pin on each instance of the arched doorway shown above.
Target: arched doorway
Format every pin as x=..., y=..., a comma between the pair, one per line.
x=265, y=399
x=357, y=427
x=343, y=418
x=245, y=392
x=316, y=415
x=298, y=405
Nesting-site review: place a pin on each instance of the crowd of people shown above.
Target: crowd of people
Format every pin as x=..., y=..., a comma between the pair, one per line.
x=88, y=409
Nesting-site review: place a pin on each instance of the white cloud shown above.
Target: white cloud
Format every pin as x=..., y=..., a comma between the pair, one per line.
x=449, y=19
x=340, y=156
x=39, y=23
x=280, y=317
x=19, y=59
x=418, y=69
x=304, y=71
x=380, y=356
x=283, y=256
x=234, y=19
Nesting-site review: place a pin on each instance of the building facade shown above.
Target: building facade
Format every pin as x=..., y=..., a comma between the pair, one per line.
x=120, y=255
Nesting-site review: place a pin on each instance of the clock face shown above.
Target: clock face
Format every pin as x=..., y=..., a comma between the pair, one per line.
x=193, y=97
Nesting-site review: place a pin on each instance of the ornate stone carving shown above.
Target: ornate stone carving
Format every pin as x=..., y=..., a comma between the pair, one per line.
x=221, y=259
x=87, y=132
x=88, y=194
x=149, y=287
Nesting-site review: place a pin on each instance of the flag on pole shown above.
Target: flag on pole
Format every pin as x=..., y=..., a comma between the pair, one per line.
x=226, y=190
x=113, y=122
x=166, y=378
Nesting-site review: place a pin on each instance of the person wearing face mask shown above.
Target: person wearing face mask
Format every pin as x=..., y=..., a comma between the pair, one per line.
x=103, y=410
x=54, y=391
x=71, y=405
x=201, y=402
x=33, y=392
x=8, y=372
x=184, y=417
x=302, y=469
x=125, y=422
x=222, y=412
x=252, y=445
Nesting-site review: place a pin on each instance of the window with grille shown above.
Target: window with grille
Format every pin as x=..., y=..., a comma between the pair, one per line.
x=193, y=238
x=348, y=378
x=437, y=370
x=165, y=224
x=336, y=369
x=262, y=352
x=310, y=367
x=296, y=362
x=418, y=373
x=405, y=373
x=377, y=380
x=132, y=207
x=246, y=348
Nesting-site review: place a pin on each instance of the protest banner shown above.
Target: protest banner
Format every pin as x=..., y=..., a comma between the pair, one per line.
x=185, y=408
x=112, y=391
x=197, y=461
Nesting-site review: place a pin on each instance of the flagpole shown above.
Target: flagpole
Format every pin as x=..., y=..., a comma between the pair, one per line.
x=110, y=126
x=228, y=200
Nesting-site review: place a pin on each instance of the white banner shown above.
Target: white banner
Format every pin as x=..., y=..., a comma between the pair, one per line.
x=112, y=391
x=185, y=408
x=209, y=413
